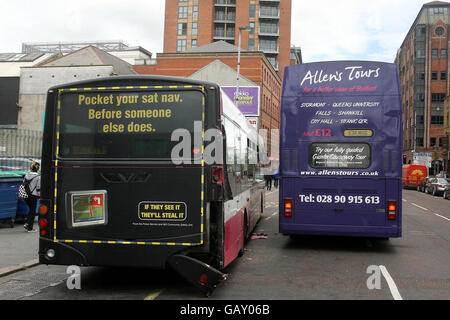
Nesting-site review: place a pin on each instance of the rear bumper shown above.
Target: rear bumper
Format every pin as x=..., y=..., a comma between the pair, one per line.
x=350, y=231
x=117, y=255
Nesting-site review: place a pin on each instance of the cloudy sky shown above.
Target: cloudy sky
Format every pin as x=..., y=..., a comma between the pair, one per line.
x=325, y=30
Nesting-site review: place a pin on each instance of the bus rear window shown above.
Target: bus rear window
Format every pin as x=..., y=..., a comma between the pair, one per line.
x=340, y=155
x=125, y=123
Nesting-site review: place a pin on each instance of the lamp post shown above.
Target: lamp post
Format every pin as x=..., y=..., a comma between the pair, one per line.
x=236, y=95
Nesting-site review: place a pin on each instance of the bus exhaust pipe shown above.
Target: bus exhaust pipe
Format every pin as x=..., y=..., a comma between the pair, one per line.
x=201, y=275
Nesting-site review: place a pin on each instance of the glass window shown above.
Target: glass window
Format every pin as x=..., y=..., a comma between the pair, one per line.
x=434, y=75
x=195, y=12
x=432, y=142
x=437, y=97
x=181, y=45
x=194, y=43
x=182, y=29
x=437, y=120
x=141, y=128
x=194, y=28
x=251, y=44
x=434, y=53
x=419, y=142
x=182, y=12
x=439, y=31
x=252, y=28
x=252, y=11
x=443, y=75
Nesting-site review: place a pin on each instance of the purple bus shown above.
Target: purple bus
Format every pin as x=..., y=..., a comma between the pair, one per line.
x=340, y=150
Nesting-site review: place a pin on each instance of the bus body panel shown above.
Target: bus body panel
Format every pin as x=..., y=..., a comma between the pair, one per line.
x=340, y=149
x=131, y=233
x=243, y=210
x=413, y=174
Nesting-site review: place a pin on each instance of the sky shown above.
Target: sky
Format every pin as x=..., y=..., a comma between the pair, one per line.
x=325, y=30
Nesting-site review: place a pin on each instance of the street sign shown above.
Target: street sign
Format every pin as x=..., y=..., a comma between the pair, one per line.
x=423, y=158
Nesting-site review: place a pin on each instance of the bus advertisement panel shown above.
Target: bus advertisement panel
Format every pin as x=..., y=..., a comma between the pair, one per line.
x=340, y=150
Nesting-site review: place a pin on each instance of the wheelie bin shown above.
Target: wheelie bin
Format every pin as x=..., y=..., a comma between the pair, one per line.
x=9, y=186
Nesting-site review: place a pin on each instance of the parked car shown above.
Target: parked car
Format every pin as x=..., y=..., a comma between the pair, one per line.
x=437, y=186
x=446, y=193
x=422, y=187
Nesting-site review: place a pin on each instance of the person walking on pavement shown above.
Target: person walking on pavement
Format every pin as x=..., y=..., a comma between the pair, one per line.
x=276, y=177
x=35, y=189
x=268, y=179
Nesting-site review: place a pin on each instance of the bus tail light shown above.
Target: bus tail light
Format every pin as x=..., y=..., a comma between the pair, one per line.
x=217, y=175
x=392, y=210
x=43, y=221
x=288, y=207
x=203, y=279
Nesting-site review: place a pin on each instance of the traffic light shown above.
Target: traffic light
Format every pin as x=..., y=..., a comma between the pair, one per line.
x=404, y=158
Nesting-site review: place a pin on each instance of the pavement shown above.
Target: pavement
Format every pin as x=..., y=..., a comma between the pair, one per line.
x=18, y=248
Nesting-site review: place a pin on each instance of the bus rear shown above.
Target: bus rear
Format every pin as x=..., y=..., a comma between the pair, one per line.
x=340, y=150
x=112, y=194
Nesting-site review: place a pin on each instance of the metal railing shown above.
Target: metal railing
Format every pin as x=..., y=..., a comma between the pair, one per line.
x=20, y=143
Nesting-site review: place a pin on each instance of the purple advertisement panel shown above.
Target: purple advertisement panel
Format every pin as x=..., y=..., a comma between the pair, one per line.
x=248, y=102
x=351, y=113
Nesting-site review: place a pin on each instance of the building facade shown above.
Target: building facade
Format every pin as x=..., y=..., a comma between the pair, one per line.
x=423, y=69
x=217, y=62
x=10, y=64
x=83, y=64
x=193, y=23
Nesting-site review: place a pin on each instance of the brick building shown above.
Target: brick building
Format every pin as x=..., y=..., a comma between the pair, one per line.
x=254, y=66
x=193, y=23
x=423, y=68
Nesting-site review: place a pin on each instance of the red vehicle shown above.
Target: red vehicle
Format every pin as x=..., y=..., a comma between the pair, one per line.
x=413, y=174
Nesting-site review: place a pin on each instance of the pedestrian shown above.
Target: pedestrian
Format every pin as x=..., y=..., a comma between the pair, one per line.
x=268, y=179
x=34, y=179
x=276, y=176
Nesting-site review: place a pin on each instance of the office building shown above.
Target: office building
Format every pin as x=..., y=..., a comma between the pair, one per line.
x=193, y=23
x=423, y=69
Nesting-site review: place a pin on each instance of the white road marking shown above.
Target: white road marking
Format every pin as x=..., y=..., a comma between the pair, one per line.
x=442, y=217
x=391, y=283
x=419, y=206
x=427, y=210
x=404, y=200
x=273, y=215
